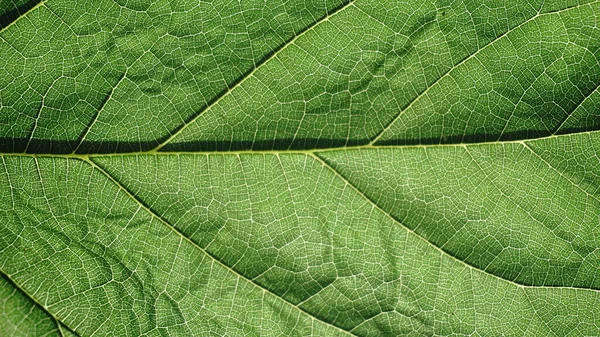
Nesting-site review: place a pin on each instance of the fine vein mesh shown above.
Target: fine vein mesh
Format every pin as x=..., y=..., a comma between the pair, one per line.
x=524, y=84
x=121, y=76
x=14, y=10
x=379, y=79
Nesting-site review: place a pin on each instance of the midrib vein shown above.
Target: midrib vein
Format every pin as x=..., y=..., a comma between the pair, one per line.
x=256, y=67
x=284, y=151
x=204, y=251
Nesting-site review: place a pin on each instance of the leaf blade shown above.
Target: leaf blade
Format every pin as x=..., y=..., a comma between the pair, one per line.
x=357, y=168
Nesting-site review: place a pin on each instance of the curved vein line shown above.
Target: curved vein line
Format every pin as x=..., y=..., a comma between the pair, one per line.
x=535, y=154
x=535, y=219
x=62, y=327
x=443, y=252
x=107, y=98
x=509, y=198
x=447, y=73
x=208, y=254
x=522, y=100
x=575, y=109
x=535, y=314
x=257, y=66
x=38, y=115
x=35, y=302
x=58, y=327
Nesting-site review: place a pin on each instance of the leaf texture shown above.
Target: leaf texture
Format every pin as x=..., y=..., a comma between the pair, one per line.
x=299, y=168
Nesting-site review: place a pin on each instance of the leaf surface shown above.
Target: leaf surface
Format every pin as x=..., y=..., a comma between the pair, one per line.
x=351, y=168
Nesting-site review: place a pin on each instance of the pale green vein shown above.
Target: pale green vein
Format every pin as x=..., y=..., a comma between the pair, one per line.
x=38, y=115
x=63, y=328
x=535, y=313
x=97, y=115
x=58, y=327
x=487, y=176
x=521, y=101
x=209, y=255
x=36, y=302
x=575, y=109
x=447, y=73
x=370, y=201
x=253, y=71
x=559, y=173
x=308, y=152
x=65, y=331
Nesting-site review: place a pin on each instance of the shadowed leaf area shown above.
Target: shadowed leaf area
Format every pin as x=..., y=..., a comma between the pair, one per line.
x=11, y=10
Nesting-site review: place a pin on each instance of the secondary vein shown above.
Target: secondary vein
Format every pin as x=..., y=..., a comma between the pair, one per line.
x=449, y=71
x=35, y=302
x=208, y=254
x=444, y=252
x=257, y=66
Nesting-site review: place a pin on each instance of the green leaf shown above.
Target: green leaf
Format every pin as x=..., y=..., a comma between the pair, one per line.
x=326, y=168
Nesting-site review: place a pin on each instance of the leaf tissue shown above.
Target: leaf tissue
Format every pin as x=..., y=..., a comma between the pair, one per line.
x=299, y=168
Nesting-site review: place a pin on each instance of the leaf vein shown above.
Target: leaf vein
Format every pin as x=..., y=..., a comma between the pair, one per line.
x=208, y=254
x=559, y=173
x=35, y=302
x=32, y=9
x=443, y=252
x=463, y=61
x=585, y=98
x=252, y=71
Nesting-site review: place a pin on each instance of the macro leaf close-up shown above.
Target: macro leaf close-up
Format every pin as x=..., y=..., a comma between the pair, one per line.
x=299, y=168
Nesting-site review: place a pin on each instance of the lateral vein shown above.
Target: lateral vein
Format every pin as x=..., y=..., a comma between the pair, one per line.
x=369, y=200
x=257, y=66
x=36, y=302
x=208, y=254
x=447, y=73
